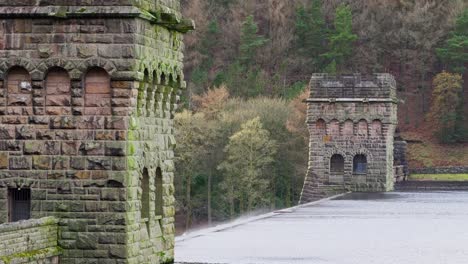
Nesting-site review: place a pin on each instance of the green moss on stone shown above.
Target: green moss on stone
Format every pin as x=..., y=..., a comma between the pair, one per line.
x=33, y=254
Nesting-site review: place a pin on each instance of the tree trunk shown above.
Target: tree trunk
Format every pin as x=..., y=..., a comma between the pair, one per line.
x=188, y=197
x=209, y=198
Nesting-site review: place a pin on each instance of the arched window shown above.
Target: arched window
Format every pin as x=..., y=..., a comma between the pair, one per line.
x=158, y=184
x=97, y=92
x=19, y=92
x=348, y=128
x=376, y=128
x=321, y=127
x=337, y=164
x=334, y=128
x=145, y=195
x=360, y=164
x=58, y=92
x=362, y=129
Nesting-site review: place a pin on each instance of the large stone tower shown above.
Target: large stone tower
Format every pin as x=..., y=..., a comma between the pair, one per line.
x=88, y=89
x=352, y=121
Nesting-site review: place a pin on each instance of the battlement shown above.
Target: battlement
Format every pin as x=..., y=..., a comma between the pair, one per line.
x=381, y=86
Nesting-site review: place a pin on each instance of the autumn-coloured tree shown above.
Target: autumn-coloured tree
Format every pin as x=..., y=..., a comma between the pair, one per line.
x=444, y=114
x=212, y=101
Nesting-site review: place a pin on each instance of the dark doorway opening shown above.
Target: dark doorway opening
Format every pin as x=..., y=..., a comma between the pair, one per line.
x=19, y=203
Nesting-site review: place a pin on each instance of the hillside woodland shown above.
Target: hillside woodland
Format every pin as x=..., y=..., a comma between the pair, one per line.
x=242, y=140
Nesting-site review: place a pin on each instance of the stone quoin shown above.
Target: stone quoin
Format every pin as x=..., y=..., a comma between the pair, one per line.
x=88, y=91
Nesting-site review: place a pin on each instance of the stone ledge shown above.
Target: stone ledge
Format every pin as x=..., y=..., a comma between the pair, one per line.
x=32, y=256
x=165, y=19
x=27, y=224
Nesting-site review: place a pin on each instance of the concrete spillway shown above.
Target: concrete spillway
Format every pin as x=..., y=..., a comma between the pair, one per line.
x=356, y=229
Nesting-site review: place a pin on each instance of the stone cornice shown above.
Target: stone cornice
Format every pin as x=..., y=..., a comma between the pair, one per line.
x=168, y=20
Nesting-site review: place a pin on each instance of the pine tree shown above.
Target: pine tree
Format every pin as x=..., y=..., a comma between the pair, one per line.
x=250, y=41
x=455, y=50
x=341, y=40
x=311, y=33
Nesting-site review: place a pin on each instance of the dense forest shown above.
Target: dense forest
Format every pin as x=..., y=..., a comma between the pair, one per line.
x=242, y=140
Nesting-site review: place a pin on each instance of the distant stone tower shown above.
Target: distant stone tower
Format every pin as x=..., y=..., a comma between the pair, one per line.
x=88, y=90
x=352, y=121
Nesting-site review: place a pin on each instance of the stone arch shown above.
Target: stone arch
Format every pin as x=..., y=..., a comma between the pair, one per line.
x=360, y=164
x=18, y=87
x=348, y=128
x=107, y=65
x=362, y=128
x=159, y=192
x=334, y=128
x=44, y=67
x=376, y=128
x=97, y=89
x=337, y=164
x=7, y=64
x=58, y=92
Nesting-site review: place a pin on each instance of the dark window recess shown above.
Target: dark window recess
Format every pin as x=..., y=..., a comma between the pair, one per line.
x=159, y=192
x=337, y=164
x=360, y=164
x=20, y=204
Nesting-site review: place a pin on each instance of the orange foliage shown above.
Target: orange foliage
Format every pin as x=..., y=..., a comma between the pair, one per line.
x=212, y=101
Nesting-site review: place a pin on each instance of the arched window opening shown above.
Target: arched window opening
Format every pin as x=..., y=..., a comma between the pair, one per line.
x=337, y=165
x=321, y=127
x=58, y=92
x=348, y=128
x=360, y=164
x=97, y=92
x=334, y=128
x=376, y=128
x=158, y=184
x=19, y=91
x=145, y=195
x=362, y=129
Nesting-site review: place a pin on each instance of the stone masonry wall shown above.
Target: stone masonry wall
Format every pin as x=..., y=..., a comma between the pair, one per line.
x=86, y=108
x=33, y=241
x=356, y=125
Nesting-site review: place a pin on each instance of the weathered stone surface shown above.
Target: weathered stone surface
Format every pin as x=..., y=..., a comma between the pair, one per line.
x=74, y=131
x=351, y=121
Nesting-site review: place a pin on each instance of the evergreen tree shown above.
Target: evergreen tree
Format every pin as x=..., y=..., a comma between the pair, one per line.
x=455, y=50
x=311, y=33
x=210, y=41
x=341, y=40
x=250, y=42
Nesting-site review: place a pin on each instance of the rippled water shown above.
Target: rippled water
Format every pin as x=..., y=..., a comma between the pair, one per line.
x=393, y=228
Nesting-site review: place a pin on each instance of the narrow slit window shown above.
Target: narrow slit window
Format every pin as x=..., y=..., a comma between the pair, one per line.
x=159, y=192
x=19, y=204
x=145, y=195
